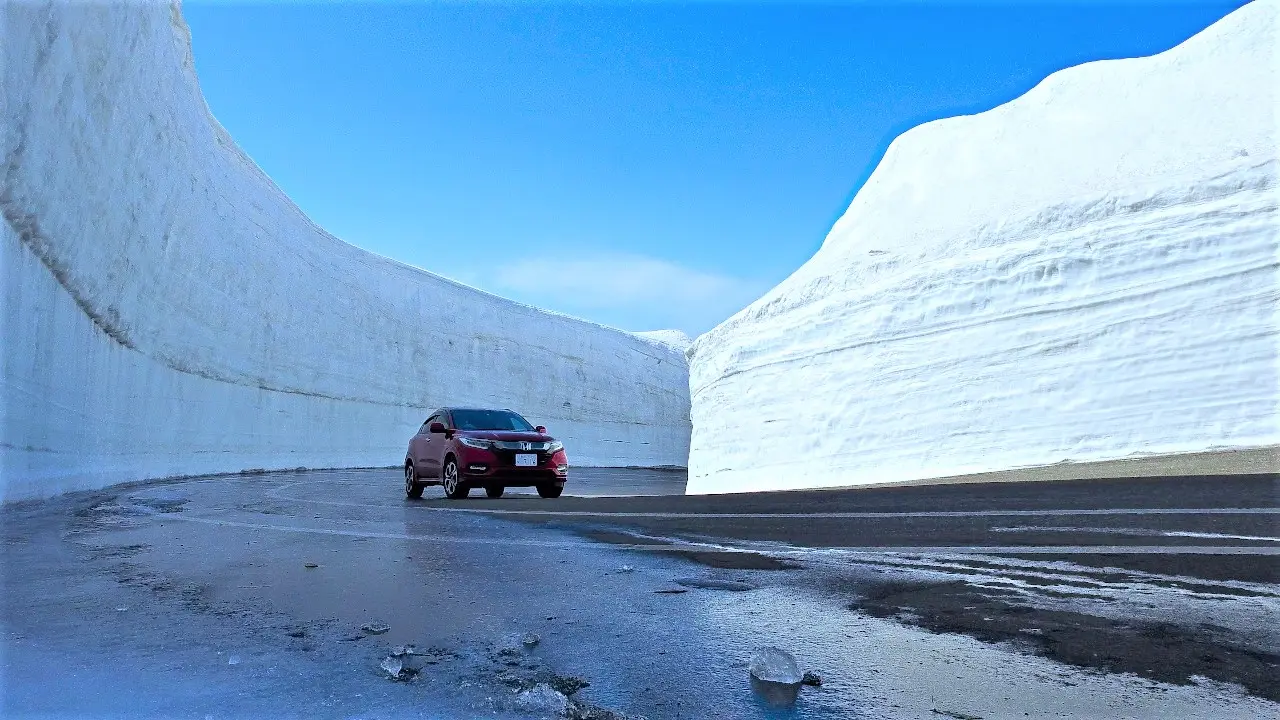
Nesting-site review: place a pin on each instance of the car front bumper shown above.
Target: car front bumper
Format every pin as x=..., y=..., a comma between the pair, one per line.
x=486, y=467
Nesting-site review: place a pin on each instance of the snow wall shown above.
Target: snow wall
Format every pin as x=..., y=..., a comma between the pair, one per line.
x=1088, y=272
x=168, y=311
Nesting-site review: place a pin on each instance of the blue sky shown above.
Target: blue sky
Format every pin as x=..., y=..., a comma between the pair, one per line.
x=647, y=165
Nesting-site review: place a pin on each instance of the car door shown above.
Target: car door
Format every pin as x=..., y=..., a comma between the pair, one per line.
x=418, y=445
x=433, y=455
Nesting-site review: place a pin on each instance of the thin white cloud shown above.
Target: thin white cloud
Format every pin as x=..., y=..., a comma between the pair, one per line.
x=633, y=292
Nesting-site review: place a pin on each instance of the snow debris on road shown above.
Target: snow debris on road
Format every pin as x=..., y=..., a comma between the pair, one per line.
x=393, y=666
x=775, y=675
x=543, y=698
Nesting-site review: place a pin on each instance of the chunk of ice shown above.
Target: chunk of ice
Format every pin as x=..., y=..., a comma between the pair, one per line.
x=543, y=698
x=774, y=665
x=392, y=665
x=775, y=676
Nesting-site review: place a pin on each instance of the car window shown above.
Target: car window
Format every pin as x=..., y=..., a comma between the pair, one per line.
x=490, y=420
x=426, y=426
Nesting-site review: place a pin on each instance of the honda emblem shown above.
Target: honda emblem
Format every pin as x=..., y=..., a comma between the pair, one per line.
x=525, y=446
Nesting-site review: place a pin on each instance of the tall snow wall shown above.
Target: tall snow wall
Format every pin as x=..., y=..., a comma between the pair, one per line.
x=1088, y=272
x=168, y=311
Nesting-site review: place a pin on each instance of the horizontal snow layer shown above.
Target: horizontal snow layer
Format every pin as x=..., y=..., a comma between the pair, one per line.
x=169, y=311
x=1087, y=273
x=671, y=338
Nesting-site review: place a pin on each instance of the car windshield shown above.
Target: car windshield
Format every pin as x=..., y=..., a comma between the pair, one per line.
x=489, y=420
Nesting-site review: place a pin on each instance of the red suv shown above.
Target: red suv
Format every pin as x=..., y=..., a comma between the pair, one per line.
x=463, y=448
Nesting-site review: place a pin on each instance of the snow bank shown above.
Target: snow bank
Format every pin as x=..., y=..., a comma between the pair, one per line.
x=1086, y=273
x=167, y=310
x=670, y=338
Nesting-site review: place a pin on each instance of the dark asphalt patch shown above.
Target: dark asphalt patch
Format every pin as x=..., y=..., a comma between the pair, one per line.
x=723, y=559
x=1157, y=651
x=1202, y=491
x=714, y=584
x=731, y=560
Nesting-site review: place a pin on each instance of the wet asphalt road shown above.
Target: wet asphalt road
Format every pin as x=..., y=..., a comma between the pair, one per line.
x=1216, y=527
x=194, y=599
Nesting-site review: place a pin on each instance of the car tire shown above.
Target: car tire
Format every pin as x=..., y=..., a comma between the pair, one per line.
x=412, y=488
x=550, y=491
x=494, y=491
x=454, y=488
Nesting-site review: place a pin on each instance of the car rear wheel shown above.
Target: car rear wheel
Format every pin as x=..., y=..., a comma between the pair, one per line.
x=550, y=491
x=412, y=488
x=453, y=488
x=494, y=491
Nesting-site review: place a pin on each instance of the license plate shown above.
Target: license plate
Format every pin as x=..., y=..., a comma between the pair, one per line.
x=526, y=460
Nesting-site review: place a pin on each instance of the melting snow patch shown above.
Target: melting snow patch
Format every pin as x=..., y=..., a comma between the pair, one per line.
x=543, y=698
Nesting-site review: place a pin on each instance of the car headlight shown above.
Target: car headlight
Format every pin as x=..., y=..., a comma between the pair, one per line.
x=476, y=443
x=555, y=446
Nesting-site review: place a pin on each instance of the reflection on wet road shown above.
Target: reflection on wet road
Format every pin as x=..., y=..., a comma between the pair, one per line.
x=157, y=588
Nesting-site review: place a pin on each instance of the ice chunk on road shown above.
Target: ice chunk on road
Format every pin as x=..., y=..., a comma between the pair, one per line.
x=775, y=676
x=775, y=665
x=543, y=698
x=392, y=665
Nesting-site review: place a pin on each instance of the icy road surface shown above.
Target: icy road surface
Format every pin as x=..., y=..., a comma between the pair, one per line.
x=195, y=599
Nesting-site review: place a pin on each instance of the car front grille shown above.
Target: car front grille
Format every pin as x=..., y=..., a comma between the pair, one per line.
x=520, y=446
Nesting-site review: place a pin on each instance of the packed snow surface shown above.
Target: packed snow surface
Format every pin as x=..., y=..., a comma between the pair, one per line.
x=168, y=311
x=1088, y=272
x=670, y=338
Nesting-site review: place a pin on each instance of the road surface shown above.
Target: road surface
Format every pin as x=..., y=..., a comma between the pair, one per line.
x=1153, y=597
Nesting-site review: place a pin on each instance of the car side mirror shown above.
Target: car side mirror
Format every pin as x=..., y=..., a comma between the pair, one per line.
x=437, y=427
x=541, y=429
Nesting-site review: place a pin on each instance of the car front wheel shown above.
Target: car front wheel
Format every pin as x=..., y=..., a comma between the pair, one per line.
x=453, y=487
x=412, y=488
x=550, y=491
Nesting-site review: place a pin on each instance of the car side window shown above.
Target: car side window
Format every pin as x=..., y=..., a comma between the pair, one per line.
x=448, y=421
x=426, y=426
